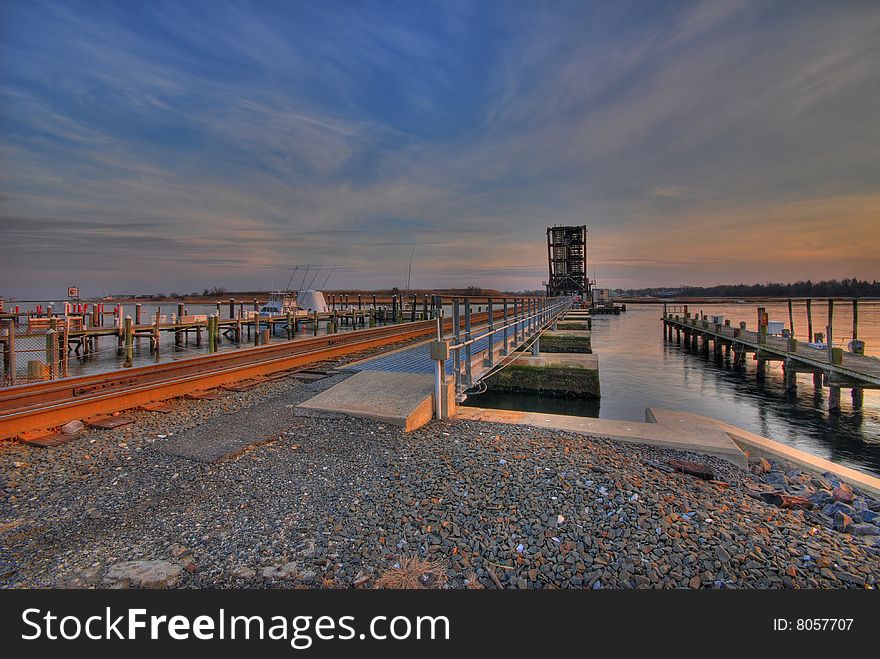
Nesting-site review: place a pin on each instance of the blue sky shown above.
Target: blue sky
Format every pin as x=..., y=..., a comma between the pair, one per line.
x=159, y=146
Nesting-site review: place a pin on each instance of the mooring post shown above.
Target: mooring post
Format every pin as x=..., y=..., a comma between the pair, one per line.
x=834, y=399
x=137, y=313
x=790, y=319
x=155, y=341
x=412, y=309
x=316, y=322
x=425, y=308
x=288, y=325
x=762, y=326
x=129, y=342
x=212, y=344
x=829, y=338
x=256, y=305
x=790, y=374
x=231, y=308
x=51, y=348
x=810, y=337
x=855, y=315
x=9, y=350
x=858, y=398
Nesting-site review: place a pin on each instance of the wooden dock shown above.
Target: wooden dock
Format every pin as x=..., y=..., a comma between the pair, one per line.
x=831, y=366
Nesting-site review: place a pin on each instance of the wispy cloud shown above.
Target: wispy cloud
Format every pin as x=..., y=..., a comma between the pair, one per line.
x=225, y=141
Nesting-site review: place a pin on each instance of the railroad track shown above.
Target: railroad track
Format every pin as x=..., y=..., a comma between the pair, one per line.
x=50, y=404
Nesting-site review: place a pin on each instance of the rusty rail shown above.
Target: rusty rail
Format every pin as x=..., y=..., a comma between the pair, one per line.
x=50, y=404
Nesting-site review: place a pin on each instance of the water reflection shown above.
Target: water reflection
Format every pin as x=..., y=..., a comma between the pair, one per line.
x=639, y=368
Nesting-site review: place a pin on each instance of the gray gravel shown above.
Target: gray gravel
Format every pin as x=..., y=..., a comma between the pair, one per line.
x=335, y=502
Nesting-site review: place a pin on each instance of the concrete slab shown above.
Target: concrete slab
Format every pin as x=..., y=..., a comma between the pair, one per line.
x=400, y=399
x=760, y=446
x=699, y=440
x=566, y=341
x=560, y=360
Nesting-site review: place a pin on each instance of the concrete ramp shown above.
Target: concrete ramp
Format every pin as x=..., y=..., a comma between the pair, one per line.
x=711, y=441
x=760, y=446
x=400, y=399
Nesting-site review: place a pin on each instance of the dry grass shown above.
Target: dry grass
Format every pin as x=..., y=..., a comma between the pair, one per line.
x=472, y=583
x=413, y=574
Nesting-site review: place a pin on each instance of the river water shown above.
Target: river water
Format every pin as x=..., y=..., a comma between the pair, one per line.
x=639, y=368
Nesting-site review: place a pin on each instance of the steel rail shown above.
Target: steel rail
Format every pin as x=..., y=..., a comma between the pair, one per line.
x=49, y=404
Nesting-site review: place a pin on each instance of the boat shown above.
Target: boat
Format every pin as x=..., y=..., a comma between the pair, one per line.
x=280, y=303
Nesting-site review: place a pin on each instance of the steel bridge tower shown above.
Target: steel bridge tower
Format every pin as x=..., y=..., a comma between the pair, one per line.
x=567, y=257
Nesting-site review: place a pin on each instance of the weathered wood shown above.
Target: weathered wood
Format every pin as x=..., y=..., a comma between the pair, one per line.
x=697, y=469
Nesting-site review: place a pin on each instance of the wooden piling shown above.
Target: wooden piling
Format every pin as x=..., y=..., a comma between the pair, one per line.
x=790, y=374
x=810, y=337
x=212, y=344
x=129, y=342
x=834, y=399
x=790, y=319
x=828, y=334
x=154, y=344
x=855, y=315
x=9, y=351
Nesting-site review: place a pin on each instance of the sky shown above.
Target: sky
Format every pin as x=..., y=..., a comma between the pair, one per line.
x=152, y=147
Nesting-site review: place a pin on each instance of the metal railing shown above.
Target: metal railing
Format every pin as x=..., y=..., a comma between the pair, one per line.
x=522, y=320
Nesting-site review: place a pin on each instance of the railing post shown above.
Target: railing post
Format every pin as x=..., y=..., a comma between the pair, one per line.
x=440, y=374
x=456, y=358
x=467, y=337
x=504, y=349
x=491, y=360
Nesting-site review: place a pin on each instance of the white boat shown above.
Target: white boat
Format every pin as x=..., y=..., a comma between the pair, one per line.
x=279, y=304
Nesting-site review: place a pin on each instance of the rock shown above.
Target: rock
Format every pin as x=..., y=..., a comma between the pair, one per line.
x=72, y=427
x=244, y=572
x=723, y=555
x=842, y=494
x=862, y=529
x=841, y=521
x=821, y=497
x=143, y=574
x=832, y=509
x=759, y=465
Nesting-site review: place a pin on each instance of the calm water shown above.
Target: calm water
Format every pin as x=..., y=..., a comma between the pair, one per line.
x=639, y=369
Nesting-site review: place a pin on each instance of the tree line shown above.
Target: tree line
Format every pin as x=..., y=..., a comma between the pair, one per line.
x=830, y=288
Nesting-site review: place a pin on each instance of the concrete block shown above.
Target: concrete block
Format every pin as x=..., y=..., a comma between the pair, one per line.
x=565, y=375
x=577, y=341
x=401, y=399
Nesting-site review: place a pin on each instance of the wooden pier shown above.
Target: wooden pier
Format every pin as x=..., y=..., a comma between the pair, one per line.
x=831, y=366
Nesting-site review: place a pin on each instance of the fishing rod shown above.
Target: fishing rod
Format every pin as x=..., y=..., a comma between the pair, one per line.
x=290, y=281
x=316, y=275
x=324, y=285
x=305, y=274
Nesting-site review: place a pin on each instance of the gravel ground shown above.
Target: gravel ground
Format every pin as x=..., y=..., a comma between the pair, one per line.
x=337, y=502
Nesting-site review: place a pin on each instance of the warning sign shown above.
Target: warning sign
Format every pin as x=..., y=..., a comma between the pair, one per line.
x=72, y=291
